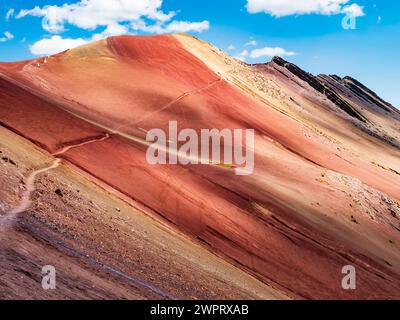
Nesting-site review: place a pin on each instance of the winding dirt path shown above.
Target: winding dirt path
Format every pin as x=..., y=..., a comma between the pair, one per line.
x=8, y=220
x=67, y=148
x=25, y=203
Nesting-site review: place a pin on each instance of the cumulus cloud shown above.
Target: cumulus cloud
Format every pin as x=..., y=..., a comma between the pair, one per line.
x=116, y=15
x=173, y=27
x=185, y=26
x=271, y=52
x=7, y=36
x=354, y=10
x=55, y=44
x=111, y=30
x=280, y=8
x=90, y=14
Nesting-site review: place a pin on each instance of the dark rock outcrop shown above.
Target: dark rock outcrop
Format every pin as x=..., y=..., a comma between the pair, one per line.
x=320, y=86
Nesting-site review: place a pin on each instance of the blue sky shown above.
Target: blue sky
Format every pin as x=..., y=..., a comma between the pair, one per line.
x=307, y=32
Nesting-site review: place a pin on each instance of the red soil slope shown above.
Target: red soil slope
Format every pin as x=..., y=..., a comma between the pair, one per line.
x=310, y=207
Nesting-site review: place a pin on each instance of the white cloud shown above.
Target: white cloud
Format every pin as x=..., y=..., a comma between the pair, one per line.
x=111, y=30
x=280, y=8
x=9, y=14
x=90, y=14
x=354, y=10
x=185, y=26
x=7, y=36
x=173, y=27
x=141, y=25
x=251, y=43
x=115, y=29
x=54, y=45
x=116, y=15
x=270, y=52
x=231, y=47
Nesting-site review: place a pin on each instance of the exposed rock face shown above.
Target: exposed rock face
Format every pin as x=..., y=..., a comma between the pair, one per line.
x=353, y=87
x=324, y=194
x=320, y=86
x=365, y=100
x=368, y=95
x=352, y=97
